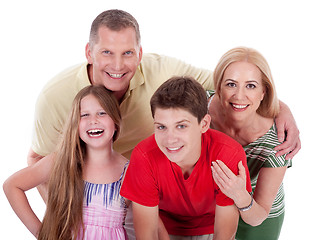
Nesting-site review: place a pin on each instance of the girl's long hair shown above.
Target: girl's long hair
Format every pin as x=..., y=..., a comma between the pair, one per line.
x=63, y=217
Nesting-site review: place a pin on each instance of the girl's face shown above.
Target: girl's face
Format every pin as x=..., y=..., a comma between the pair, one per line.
x=242, y=90
x=96, y=127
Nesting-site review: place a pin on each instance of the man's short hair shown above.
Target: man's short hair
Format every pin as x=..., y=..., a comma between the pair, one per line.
x=182, y=93
x=115, y=20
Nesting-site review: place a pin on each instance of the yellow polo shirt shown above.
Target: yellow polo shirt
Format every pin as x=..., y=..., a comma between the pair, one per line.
x=55, y=101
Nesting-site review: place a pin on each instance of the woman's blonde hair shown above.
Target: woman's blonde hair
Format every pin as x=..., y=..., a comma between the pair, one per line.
x=63, y=217
x=269, y=106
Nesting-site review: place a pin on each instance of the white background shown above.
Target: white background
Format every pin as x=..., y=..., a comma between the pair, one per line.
x=41, y=38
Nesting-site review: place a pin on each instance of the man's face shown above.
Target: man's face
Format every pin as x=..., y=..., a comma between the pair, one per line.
x=114, y=59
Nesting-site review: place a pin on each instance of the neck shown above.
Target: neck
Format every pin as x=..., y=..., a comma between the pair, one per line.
x=99, y=156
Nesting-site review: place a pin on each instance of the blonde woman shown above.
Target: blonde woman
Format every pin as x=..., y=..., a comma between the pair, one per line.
x=85, y=175
x=244, y=107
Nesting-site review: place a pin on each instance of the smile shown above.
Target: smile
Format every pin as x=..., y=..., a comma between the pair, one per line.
x=239, y=106
x=116, y=75
x=174, y=148
x=95, y=132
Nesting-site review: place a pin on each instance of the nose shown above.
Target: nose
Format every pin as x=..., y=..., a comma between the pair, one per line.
x=94, y=119
x=118, y=63
x=239, y=93
x=171, y=137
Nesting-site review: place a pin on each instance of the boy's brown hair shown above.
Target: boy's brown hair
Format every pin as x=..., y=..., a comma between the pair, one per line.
x=183, y=93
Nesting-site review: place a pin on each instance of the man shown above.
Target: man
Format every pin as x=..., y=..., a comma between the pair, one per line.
x=170, y=172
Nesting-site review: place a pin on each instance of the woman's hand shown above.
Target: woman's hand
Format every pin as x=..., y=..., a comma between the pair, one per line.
x=231, y=185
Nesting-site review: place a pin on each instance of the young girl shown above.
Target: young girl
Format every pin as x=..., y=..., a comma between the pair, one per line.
x=84, y=176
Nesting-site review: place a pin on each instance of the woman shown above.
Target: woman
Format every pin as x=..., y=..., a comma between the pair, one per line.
x=244, y=107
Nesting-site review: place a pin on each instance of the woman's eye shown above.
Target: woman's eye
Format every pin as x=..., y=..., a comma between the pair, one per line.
x=251, y=86
x=231, y=84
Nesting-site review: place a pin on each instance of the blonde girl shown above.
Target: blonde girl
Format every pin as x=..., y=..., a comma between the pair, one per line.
x=84, y=175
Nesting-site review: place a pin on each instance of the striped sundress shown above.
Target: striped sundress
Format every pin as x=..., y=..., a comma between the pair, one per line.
x=104, y=211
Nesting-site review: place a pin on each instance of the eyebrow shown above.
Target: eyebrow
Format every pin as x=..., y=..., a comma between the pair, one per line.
x=249, y=81
x=178, y=122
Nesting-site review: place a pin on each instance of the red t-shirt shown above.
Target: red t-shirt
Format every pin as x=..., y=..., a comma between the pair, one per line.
x=186, y=207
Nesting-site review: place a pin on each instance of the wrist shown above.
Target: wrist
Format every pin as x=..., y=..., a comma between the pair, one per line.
x=245, y=203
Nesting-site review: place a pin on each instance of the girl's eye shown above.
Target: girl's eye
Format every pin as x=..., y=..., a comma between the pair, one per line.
x=102, y=113
x=84, y=115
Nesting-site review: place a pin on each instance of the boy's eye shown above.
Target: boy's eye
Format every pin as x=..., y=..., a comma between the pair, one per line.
x=160, y=127
x=181, y=126
x=128, y=53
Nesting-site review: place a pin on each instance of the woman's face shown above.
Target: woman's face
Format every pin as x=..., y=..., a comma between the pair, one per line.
x=242, y=90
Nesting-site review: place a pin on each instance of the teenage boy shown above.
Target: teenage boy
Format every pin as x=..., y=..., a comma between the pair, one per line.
x=170, y=172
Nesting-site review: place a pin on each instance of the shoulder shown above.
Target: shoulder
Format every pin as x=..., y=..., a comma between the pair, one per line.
x=64, y=86
x=219, y=139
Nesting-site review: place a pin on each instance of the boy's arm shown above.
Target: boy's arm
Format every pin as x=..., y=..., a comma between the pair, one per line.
x=226, y=222
x=21, y=181
x=146, y=221
x=288, y=133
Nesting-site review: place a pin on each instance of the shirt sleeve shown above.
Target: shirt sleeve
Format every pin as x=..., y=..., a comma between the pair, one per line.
x=140, y=184
x=231, y=159
x=47, y=127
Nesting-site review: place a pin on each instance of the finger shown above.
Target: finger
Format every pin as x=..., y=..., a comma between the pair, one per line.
x=225, y=169
x=294, y=151
x=217, y=179
x=241, y=170
x=220, y=172
x=281, y=131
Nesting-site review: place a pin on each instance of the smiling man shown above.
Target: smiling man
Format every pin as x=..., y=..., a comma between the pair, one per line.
x=170, y=174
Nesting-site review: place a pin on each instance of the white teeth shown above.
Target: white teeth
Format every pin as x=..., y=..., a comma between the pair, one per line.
x=95, y=132
x=114, y=75
x=174, y=149
x=239, y=106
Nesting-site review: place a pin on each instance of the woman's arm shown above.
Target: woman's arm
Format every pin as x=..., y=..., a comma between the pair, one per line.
x=21, y=181
x=146, y=222
x=233, y=186
x=226, y=222
x=288, y=133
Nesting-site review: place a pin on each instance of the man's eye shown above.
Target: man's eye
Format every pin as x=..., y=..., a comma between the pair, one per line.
x=128, y=53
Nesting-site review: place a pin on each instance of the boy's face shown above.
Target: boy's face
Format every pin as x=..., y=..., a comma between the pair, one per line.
x=178, y=135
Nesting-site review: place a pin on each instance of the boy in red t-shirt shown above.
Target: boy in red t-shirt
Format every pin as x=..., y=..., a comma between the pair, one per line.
x=170, y=173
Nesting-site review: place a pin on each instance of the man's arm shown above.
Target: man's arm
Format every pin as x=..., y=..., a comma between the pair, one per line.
x=146, y=221
x=288, y=133
x=226, y=222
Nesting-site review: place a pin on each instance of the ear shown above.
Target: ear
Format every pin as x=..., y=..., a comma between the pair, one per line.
x=205, y=123
x=88, y=54
x=140, y=54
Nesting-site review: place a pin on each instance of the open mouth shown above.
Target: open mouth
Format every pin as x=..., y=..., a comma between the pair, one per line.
x=173, y=149
x=95, y=132
x=116, y=75
x=239, y=106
